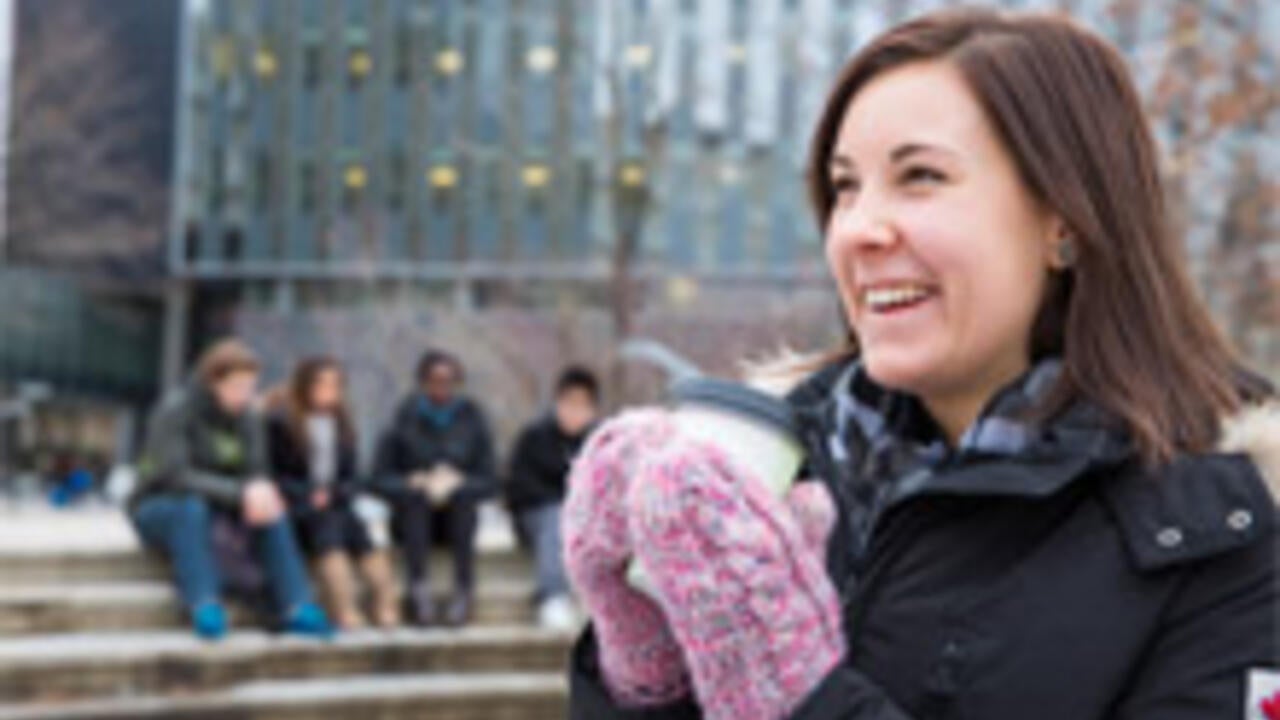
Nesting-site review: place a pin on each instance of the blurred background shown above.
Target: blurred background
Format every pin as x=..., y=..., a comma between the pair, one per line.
x=527, y=183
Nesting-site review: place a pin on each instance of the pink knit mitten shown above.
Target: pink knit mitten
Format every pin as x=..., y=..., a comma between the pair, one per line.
x=639, y=658
x=740, y=577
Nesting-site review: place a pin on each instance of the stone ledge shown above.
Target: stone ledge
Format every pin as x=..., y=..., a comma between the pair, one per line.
x=494, y=696
x=134, y=605
x=71, y=667
x=114, y=565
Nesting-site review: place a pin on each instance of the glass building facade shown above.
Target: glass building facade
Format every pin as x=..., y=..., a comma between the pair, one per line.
x=55, y=332
x=515, y=139
x=429, y=138
x=432, y=138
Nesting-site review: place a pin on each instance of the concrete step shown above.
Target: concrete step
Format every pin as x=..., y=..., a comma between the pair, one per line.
x=113, y=606
x=45, y=567
x=496, y=696
x=64, y=668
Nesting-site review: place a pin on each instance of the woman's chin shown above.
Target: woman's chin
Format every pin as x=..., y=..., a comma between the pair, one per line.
x=898, y=370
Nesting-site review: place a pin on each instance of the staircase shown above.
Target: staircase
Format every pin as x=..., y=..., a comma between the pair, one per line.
x=90, y=628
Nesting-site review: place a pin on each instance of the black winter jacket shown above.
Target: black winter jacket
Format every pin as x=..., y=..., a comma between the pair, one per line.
x=290, y=463
x=540, y=464
x=413, y=442
x=1064, y=584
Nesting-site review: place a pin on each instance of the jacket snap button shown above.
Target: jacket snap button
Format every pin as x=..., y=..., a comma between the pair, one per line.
x=1240, y=520
x=1169, y=537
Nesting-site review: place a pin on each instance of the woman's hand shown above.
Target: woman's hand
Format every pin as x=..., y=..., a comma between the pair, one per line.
x=260, y=503
x=319, y=498
x=740, y=576
x=639, y=658
x=419, y=481
x=444, y=481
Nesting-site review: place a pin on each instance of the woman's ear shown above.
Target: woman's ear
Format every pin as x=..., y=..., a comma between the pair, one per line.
x=1061, y=248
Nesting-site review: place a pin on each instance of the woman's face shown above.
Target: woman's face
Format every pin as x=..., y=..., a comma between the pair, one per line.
x=441, y=382
x=326, y=390
x=938, y=249
x=234, y=392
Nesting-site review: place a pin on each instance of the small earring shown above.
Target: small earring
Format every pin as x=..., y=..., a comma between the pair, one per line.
x=1066, y=252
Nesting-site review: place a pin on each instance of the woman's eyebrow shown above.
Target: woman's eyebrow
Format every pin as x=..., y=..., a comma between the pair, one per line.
x=898, y=154
x=840, y=161
x=902, y=152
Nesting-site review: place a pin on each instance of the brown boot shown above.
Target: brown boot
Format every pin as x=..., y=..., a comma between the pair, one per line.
x=375, y=566
x=339, y=588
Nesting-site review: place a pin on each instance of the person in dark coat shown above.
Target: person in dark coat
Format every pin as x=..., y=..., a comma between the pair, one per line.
x=1039, y=485
x=312, y=443
x=435, y=464
x=536, y=486
x=204, y=468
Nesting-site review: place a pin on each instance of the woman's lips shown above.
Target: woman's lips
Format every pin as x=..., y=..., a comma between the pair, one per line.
x=891, y=298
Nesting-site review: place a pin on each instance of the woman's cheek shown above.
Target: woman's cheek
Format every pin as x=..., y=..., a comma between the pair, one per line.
x=839, y=265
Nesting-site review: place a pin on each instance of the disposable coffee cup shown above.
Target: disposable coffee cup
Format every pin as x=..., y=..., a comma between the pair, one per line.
x=758, y=433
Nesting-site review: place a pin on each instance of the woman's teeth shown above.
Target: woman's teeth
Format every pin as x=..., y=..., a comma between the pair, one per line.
x=879, y=299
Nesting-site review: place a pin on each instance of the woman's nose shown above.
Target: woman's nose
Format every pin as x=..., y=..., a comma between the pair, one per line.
x=860, y=227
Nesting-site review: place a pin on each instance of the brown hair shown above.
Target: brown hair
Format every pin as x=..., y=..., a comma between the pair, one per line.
x=297, y=400
x=1134, y=337
x=223, y=358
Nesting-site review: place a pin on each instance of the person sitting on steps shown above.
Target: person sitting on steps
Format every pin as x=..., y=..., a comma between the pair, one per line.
x=313, y=460
x=204, y=463
x=434, y=464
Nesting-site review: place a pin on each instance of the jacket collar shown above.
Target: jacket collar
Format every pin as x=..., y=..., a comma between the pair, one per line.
x=1079, y=441
x=1202, y=505
x=1192, y=508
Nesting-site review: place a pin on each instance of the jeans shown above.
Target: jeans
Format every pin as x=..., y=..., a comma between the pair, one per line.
x=180, y=527
x=542, y=525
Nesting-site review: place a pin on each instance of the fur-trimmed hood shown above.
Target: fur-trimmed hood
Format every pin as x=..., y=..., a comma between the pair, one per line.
x=1255, y=431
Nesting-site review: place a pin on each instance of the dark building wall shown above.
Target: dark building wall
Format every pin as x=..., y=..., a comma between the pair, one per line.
x=146, y=32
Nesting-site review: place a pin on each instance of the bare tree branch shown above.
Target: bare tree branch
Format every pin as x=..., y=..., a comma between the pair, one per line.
x=79, y=189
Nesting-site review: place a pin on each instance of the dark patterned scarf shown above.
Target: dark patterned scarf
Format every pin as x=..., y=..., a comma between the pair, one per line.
x=886, y=446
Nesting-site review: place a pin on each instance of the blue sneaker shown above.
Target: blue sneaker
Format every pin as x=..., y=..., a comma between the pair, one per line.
x=209, y=620
x=309, y=619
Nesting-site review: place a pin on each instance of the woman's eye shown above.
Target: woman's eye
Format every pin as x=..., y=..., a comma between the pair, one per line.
x=920, y=174
x=844, y=185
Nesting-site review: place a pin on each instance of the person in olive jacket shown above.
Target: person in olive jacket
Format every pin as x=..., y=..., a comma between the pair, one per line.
x=313, y=461
x=205, y=458
x=435, y=464
x=1039, y=485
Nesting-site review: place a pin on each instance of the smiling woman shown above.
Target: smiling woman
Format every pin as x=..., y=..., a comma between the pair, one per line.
x=1018, y=146
x=1037, y=510
x=938, y=248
